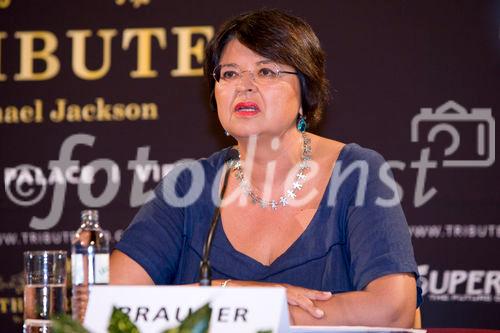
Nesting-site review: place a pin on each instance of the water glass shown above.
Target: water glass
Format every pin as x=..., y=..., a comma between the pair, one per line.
x=44, y=289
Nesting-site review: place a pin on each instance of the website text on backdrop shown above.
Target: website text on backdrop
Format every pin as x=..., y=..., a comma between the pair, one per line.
x=313, y=215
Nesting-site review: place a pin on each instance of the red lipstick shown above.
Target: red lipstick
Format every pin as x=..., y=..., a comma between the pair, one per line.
x=246, y=109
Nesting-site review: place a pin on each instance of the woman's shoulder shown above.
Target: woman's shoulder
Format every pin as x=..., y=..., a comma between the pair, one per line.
x=216, y=159
x=346, y=152
x=210, y=163
x=354, y=152
x=184, y=172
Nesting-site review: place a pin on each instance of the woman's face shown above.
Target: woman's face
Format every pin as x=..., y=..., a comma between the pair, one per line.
x=248, y=108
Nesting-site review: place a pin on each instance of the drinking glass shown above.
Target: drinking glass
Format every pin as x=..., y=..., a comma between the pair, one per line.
x=44, y=289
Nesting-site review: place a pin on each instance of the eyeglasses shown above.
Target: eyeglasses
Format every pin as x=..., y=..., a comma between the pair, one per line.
x=265, y=73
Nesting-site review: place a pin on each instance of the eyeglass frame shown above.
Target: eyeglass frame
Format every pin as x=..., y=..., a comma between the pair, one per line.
x=278, y=70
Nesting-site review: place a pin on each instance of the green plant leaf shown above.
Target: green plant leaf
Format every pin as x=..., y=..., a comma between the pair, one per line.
x=121, y=323
x=197, y=322
x=65, y=324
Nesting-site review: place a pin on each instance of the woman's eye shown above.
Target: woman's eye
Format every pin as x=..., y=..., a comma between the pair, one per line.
x=267, y=72
x=228, y=75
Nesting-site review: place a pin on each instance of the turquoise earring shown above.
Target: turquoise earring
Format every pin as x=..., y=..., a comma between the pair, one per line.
x=302, y=124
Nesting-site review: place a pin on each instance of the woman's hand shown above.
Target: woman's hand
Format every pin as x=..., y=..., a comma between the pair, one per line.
x=297, y=296
x=303, y=298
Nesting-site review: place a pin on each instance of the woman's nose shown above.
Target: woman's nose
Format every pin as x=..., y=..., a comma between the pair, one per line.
x=246, y=82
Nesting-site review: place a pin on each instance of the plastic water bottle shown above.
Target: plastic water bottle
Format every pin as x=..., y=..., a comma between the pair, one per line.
x=89, y=261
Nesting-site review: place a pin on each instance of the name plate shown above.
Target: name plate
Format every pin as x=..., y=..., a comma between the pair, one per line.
x=156, y=308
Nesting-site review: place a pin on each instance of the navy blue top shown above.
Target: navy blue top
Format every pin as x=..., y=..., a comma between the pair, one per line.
x=347, y=244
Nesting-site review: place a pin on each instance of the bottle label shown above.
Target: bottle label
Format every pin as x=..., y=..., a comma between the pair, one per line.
x=101, y=268
x=77, y=268
x=90, y=269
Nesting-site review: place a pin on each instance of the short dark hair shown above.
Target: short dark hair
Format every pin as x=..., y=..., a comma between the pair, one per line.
x=282, y=38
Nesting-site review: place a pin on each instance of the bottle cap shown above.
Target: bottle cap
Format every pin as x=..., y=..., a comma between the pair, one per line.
x=90, y=214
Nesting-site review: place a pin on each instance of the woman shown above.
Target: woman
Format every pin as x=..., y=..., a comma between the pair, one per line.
x=293, y=214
